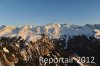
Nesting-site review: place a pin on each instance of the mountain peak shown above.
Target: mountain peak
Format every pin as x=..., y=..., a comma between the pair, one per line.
x=53, y=30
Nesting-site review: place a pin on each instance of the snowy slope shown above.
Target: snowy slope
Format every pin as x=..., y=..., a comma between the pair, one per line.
x=32, y=33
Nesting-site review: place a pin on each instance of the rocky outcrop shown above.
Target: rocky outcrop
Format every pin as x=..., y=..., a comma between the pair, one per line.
x=15, y=51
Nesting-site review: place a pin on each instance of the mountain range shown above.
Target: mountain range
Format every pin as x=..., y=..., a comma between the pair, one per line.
x=32, y=33
x=23, y=46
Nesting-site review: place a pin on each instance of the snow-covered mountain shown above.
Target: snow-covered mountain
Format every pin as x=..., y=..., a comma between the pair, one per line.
x=30, y=32
x=49, y=41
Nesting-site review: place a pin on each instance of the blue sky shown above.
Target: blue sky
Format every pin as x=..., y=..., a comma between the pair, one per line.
x=39, y=12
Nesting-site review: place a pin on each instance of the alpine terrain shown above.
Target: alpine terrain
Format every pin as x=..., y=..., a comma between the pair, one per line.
x=26, y=45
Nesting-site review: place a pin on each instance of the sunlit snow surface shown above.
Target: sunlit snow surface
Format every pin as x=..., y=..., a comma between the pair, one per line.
x=30, y=32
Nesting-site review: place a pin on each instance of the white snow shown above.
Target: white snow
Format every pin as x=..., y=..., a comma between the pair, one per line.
x=97, y=33
x=78, y=31
x=32, y=33
x=5, y=50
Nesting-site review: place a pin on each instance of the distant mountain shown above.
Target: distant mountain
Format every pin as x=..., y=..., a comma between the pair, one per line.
x=52, y=30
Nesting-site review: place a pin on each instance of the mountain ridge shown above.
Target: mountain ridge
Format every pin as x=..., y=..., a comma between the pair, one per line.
x=52, y=30
x=24, y=45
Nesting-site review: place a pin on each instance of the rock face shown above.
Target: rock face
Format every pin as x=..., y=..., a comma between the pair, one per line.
x=15, y=51
x=24, y=46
